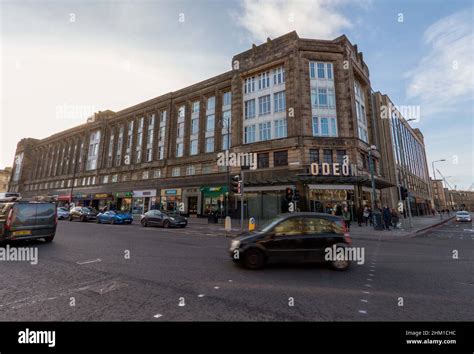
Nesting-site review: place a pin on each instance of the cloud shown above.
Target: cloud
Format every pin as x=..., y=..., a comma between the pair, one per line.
x=444, y=77
x=320, y=19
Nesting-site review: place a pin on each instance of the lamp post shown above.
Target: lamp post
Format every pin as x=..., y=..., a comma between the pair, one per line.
x=71, y=198
x=434, y=177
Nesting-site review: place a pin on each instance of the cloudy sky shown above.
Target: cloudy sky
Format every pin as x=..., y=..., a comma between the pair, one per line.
x=61, y=60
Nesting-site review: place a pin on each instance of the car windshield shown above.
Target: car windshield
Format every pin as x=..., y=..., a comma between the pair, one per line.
x=87, y=210
x=462, y=213
x=169, y=213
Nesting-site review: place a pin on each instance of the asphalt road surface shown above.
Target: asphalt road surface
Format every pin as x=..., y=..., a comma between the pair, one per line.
x=127, y=272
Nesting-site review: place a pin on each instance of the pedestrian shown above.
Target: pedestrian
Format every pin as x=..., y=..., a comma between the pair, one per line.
x=395, y=218
x=387, y=217
x=359, y=215
x=346, y=215
x=338, y=209
x=365, y=215
x=371, y=219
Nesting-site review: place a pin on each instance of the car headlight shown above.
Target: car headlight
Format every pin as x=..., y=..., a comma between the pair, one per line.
x=171, y=218
x=234, y=245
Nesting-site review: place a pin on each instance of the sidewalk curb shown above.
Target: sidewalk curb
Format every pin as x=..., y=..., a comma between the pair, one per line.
x=428, y=228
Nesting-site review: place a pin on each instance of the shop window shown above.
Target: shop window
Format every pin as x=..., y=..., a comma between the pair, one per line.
x=280, y=158
x=314, y=155
x=263, y=160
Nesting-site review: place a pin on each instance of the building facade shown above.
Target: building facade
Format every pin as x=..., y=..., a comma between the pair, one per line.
x=299, y=111
x=404, y=161
x=5, y=178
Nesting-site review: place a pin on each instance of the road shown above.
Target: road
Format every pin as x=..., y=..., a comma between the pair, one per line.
x=86, y=274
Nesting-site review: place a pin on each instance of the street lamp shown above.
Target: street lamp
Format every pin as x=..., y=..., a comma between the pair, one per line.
x=372, y=179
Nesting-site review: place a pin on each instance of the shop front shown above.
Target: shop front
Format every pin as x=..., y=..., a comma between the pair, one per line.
x=100, y=200
x=64, y=199
x=192, y=201
x=170, y=199
x=143, y=200
x=213, y=199
x=80, y=199
x=123, y=201
x=264, y=202
x=330, y=199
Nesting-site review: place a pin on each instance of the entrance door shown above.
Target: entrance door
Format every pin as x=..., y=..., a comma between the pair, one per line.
x=192, y=205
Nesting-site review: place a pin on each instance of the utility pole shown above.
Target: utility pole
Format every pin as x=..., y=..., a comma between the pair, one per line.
x=242, y=198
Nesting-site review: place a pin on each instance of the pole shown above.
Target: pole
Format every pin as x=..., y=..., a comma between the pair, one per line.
x=404, y=176
x=71, y=198
x=372, y=180
x=242, y=201
x=228, y=176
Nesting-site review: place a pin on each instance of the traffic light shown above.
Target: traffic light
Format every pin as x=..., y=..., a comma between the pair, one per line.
x=289, y=194
x=236, y=184
x=403, y=192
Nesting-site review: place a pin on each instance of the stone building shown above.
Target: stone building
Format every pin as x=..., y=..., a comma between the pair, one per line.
x=5, y=178
x=302, y=107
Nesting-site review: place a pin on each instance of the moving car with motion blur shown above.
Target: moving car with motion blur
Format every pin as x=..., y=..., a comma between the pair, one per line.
x=463, y=216
x=63, y=213
x=295, y=237
x=27, y=220
x=82, y=214
x=163, y=218
x=114, y=217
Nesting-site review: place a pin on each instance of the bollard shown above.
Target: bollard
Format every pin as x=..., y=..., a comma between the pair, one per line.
x=228, y=223
x=251, y=224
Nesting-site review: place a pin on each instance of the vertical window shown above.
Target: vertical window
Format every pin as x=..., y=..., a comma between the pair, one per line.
x=161, y=134
x=322, y=97
x=176, y=172
x=314, y=155
x=226, y=141
x=149, y=138
x=226, y=119
x=327, y=156
x=163, y=118
x=210, y=122
x=210, y=144
x=195, y=126
x=190, y=170
x=194, y=147
x=279, y=75
x=157, y=173
x=312, y=70
x=211, y=103
x=250, y=109
x=265, y=131
x=279, y=101
x=264, y=106
x=118, y=156
x=324, y=126
x=280, y=128
x=179, y=149
x=340, y=154
x=249, y=132
x=315, y=126
x=181, y=111
x=226, y=98
x=196, y=107
x=329, y=71
x=180, y=130
x=320, y=70
x=264, y=80
x=333, y=127
x=263, y=160
x=314, y=97
x=331, y=98
x=161, y=152
x=249, y=85
x=138, y=148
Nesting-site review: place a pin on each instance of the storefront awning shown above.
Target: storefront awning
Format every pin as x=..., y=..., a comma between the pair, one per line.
x=213, y=191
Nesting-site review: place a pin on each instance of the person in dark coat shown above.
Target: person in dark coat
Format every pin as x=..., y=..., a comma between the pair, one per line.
x=360, y=215
x=387, y=217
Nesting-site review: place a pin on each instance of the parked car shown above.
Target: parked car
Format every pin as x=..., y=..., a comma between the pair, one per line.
x=163, y=218
x=82, y=213
x=9, y=197
x=296, y=237
x=27, y=220
x=463, y=216
x=114, y=217
x=63, y=213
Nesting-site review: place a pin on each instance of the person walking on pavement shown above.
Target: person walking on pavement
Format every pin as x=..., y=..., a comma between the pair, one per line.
x=346, y=215
x=395, y=218
x=359, y=215
x=365, y=215
x=387, y=217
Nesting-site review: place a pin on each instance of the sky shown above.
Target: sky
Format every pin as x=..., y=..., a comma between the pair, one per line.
x=60, y=61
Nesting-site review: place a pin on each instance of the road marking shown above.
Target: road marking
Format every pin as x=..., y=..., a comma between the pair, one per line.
x=201, y=295
x=366, y=292
x=368, y=285
x=368, y=279
x=90, y=261
x=363, y=311
x=364, y=300
x=158, y=315
x=216, y=287
x=230, y=280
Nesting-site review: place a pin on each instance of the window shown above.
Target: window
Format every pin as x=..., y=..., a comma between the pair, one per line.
x=176, y=172
x=265, y=131
x=329, y=71
x=279, y=101
x=181, y=111
x=314, y=155
x=196, y=107
x=250, y=109
x=360, y=112
x=249, y=85
x=157, y=173
x=111, y=149
x=206, y=169
x=279, y=75
x=331, y=98
x=226, y=141
x=226, y=98
x=340, y=154
x=249, y=134
x=210, y=122
x=105, y=179
x=324, y=126
x=280, y=128
x=211, y=103
x=226, y=119
x=327, y=156
x=320, y=70
x=161, y=133
x=161, y=152
x=149, y=139
x=180, y=130
x=190, y=170
x=322, y=97
x=264, y=80
x=319, y=226
x=163, y=118
x=264, y=106
x=93, y=153
x=145, y=175
x=263, y=160
x=315, y=126
x=194, y=126
x=194, y=147
x=210, y=144
x=293, y=226
x=138, y=148
x=280, y=158
x=179, y=149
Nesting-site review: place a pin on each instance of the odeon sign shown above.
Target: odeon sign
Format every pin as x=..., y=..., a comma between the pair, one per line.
x=328, y=169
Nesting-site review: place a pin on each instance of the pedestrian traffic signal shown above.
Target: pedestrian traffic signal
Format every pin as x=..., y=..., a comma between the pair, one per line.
x=289, y=194
x=236, y=184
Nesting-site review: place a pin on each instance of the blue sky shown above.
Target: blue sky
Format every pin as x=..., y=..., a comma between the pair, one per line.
x=83, y=56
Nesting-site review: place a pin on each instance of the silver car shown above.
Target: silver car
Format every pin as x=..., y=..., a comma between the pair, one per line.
x=63, y=213
x=463, y=216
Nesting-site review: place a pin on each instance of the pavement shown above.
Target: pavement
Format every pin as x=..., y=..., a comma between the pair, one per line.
x=93, y=272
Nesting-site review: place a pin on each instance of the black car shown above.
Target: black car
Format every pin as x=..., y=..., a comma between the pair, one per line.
x=82, y=214
x=296, y=237
x=27, y=220
x=163, y=218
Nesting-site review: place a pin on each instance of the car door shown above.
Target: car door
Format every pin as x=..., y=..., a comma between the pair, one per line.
x=284, y=242
x=154, y=217
x=317, y=235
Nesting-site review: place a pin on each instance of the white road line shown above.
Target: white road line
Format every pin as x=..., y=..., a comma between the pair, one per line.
x=90, y=261
x=364, y=300
x=368, y=279
x=216, y=287
x=201, y=295
x=363, y=311
x=368, y=285
x=158, y=315
x=366, y=292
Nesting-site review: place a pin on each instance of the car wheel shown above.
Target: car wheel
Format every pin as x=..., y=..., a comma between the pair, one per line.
x=97, y=221
x=144, y=223
x=254, y=259
x=340, y=264
x=166, y=224
x=49, y=239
